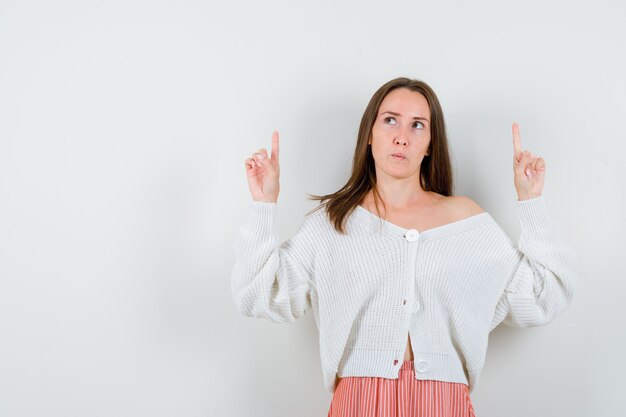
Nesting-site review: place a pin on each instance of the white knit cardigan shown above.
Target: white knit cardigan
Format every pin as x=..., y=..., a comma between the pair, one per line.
x=446, y=287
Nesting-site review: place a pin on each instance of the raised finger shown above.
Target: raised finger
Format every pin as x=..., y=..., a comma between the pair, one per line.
x=517, y=143
x=275, y=147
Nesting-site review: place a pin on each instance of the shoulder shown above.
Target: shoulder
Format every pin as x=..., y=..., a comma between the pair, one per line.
x=318, y=218
x=468, y=205
x=460, y=206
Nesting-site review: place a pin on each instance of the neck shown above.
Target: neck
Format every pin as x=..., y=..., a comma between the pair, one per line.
x=400, y=193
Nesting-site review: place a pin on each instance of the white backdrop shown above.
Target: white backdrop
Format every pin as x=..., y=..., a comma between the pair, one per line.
x=124, y=126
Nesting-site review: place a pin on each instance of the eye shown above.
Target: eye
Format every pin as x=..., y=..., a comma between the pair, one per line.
x=388, y=120
x=418, y=125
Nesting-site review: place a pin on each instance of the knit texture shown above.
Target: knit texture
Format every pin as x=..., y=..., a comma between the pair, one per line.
x=446, y=287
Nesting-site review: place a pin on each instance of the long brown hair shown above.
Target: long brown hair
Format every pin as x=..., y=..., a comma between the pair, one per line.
x=435, y=171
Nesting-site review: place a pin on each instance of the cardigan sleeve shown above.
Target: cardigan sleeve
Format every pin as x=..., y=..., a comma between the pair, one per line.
x=271, y=280
x=542, y=282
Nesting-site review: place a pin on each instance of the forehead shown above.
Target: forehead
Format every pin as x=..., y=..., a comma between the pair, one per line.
x=406, y=102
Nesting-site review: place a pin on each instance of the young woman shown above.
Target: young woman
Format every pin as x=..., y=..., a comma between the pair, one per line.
x=405, y=280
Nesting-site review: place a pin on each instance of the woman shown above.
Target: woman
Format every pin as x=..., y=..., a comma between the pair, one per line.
x=405, y=280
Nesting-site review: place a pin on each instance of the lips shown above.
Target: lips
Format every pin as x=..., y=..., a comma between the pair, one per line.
x=398, y=156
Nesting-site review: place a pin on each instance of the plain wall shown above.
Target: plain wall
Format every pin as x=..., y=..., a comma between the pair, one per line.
x=124, y=126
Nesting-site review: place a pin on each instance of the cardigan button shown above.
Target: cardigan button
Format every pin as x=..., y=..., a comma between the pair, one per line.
x=422, y=366
x=395, y=362
x=411, y=235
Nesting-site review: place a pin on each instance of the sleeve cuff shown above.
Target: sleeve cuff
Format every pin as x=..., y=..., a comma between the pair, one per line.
x=533, y=213
x=263, y=217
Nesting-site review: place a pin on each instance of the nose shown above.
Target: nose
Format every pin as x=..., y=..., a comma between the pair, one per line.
x=400, y=140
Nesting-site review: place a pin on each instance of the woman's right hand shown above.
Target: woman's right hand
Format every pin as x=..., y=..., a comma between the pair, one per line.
x=263, y=173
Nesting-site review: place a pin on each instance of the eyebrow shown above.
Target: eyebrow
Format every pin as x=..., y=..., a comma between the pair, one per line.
x=398, y=114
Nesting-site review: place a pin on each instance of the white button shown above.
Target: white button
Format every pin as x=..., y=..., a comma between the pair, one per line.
x=421, y=366
x=415, y=306
x=411, y=235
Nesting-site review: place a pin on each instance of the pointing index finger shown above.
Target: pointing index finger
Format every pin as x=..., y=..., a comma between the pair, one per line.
x=275, y=148
x=517, y=142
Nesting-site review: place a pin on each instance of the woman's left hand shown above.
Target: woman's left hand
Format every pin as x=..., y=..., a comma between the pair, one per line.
x=529, y=170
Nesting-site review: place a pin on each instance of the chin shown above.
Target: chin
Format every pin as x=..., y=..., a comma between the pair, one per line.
x=398, y=172
x=400, y=175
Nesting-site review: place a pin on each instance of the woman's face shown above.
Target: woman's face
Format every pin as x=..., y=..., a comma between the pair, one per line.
x=402, y=126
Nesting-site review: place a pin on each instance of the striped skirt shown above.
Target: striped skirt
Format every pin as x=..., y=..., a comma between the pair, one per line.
x=402, y=397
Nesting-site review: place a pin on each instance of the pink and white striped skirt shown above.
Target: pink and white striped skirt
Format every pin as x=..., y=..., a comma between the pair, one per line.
x=402, y=397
